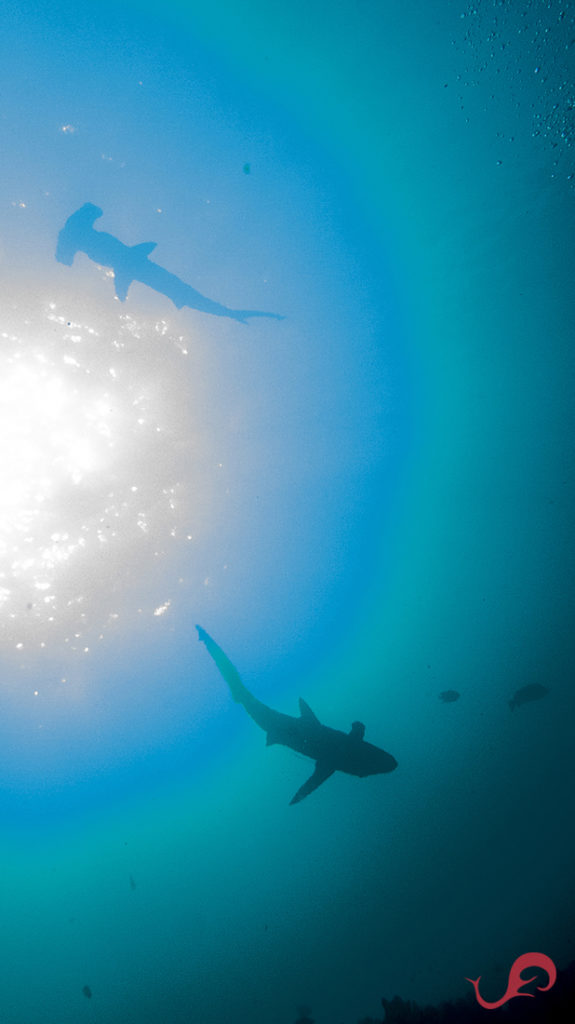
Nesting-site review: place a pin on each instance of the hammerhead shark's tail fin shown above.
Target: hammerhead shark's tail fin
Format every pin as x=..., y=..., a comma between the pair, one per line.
x=243, y=315
x=229, y=672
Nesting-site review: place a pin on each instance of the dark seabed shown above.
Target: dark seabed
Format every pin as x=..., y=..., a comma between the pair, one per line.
x=365, y=496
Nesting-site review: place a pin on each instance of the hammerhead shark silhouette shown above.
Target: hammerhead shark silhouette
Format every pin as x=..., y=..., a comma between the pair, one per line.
x=131, y=263
x=331, y=749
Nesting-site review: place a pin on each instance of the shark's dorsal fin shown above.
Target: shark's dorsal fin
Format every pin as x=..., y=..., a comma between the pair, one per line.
x=144, y=248
x=307, y=713
x=322, y=772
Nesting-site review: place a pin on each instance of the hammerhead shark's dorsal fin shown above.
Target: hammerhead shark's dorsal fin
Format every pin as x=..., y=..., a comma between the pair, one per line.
x=322, y=772
x=144, y=248
x=307, y=713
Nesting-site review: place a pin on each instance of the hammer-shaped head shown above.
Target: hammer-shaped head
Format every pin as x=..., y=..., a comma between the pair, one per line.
x=73, y=235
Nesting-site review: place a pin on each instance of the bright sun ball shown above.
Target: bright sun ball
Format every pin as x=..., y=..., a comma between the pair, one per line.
x=95, y=445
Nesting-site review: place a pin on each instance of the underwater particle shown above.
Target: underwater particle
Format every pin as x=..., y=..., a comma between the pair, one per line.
x=87, y=991
x=132, y=883
x=247, y=168
x=449, y=696
x=533, y=691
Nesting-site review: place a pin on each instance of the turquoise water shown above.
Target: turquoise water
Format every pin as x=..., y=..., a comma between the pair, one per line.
x=366, y=503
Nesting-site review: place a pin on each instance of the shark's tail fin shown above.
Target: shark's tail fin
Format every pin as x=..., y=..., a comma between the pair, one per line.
x=243, y=315
x=229, y=672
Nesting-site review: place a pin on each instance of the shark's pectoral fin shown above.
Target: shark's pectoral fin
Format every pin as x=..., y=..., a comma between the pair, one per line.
x=322, y=772
x=121, y=283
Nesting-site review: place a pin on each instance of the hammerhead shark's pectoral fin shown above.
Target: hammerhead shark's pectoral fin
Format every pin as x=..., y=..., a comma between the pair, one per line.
x=322, y=772
x=121, y=283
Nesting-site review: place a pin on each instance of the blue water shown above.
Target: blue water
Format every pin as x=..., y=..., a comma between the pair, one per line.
x=367, y=503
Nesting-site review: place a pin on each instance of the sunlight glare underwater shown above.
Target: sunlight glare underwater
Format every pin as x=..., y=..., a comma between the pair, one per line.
x=97, y=426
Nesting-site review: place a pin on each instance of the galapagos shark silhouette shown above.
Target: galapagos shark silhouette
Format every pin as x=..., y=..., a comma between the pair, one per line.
x=331, y=749
x=131, y=263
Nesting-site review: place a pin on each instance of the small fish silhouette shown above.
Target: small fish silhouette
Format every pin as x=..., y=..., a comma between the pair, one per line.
x=533, y=691
x=87, y=991
x=516, y=981
x=448, y=696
